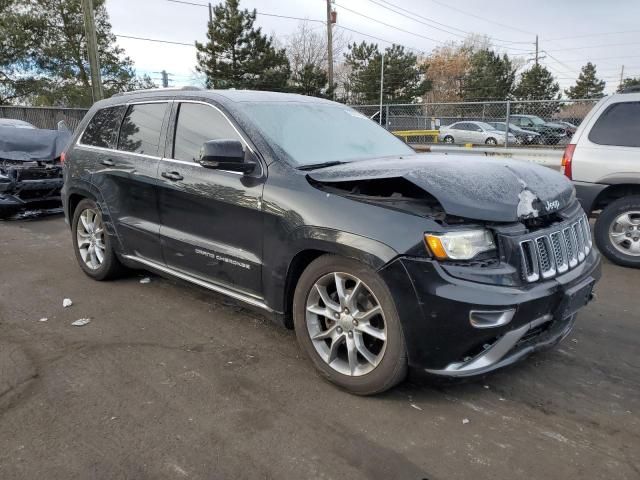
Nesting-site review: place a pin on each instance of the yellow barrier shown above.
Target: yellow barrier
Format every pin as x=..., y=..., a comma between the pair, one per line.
x=405, y=134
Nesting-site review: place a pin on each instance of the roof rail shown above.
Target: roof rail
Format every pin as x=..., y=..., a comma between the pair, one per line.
x=147, y=90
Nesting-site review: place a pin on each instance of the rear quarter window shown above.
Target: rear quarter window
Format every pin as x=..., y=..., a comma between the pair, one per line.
x=618, y=125
x=102, y=130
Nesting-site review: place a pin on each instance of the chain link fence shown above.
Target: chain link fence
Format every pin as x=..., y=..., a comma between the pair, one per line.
x=534, y=123
x=44, y=117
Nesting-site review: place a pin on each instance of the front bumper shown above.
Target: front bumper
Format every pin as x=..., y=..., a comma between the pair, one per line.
x=23, y=187
x=434, y=309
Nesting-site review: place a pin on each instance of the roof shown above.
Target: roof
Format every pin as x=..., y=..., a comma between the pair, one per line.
x=221, y=96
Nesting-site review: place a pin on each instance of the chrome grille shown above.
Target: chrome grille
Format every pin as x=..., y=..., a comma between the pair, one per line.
x=556, y=251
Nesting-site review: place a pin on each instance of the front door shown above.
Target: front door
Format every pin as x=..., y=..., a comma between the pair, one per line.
x=211, y=220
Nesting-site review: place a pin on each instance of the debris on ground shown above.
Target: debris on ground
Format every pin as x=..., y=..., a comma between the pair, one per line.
x=416, y=406
x=145, y=280
x=81, y=322
x=465, y=421
x=67, y=302
x=43, y=319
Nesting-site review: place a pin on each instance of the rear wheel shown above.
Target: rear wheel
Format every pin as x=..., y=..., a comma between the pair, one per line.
x=617, y=231
x=345, y=320
x=491, y=141
x=91, y=244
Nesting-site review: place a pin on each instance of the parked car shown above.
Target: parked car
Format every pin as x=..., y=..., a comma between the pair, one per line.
x=30, y=168
x=570, y=127
x=473, y=132
x=10, y=122
x=523, y=137
x=380, y=258
x=550, y=133
x=603, y=160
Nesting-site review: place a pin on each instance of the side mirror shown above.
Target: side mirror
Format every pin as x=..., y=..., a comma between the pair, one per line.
x=224, y=155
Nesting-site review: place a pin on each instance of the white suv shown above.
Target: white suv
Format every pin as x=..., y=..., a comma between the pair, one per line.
x=603, y=160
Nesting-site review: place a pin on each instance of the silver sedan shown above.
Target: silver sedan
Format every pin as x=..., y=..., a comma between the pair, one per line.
x=473, y=132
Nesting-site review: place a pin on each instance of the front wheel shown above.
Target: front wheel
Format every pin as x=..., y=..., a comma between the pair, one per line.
x=346, y=321
x=448, y=139
x=617, y=231
x=91, y=243
x=491, y=141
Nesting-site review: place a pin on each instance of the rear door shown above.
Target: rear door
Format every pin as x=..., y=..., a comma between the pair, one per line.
x=211, y=219
x=608, y=149
x=126, y=179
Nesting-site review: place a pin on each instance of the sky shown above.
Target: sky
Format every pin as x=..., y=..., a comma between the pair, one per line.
x=571, y=32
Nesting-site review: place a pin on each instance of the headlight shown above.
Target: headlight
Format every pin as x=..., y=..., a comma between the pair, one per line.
x=462, y=245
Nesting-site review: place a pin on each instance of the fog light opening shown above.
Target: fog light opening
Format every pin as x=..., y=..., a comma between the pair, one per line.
x=490, y=318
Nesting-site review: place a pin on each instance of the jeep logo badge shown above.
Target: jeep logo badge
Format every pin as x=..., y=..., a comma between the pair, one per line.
x=553, y=205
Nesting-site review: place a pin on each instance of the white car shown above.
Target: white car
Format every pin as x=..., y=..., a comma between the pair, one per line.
x=473, y=132
x=603, y=160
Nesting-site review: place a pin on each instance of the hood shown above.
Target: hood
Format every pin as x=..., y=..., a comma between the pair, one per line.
x=29, y=144
x=468, y=186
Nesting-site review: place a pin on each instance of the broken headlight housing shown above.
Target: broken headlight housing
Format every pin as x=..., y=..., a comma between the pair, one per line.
x=460, y=245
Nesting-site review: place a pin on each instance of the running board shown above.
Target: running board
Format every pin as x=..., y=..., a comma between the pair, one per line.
x=254, y=301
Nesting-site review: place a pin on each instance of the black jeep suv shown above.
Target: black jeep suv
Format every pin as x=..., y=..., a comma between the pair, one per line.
x=379, y=258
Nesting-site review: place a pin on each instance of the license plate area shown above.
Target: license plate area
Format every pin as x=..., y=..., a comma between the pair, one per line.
x=575, y=298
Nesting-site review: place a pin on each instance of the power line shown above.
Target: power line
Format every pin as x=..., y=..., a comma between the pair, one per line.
x=431, y=21
x=264, y=14
x=590, y=35
x=595, y=46
x=464, y=12
x=156, y=40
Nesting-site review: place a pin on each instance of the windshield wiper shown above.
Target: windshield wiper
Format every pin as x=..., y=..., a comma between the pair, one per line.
x=314, y=166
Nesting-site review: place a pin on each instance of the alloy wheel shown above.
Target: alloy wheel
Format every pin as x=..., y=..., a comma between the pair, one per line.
x=624, y=233
x=90, y=238
x=346, y=324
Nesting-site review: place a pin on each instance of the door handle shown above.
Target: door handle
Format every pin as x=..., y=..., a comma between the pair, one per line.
x=173, y=176
x=107, y=162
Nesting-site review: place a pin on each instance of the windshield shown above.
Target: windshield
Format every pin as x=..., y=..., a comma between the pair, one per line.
x=500, y=126
x=314, y=133
x=537, y=120
x=485, y=126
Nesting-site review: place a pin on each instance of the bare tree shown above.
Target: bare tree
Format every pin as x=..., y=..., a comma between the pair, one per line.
x=308, y=46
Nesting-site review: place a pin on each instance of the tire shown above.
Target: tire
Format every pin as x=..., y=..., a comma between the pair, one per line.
x=379, y=363
x=109, y=267
x=490, y=141
x=448, y=139
x=620, y=220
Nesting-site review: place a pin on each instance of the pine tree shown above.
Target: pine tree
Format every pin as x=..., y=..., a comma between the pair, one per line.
x=237, y=55
x=403, y=78
x=537, y=83
x=490, y=77
x=587, y=85
x=43, y=54
x=310, y=80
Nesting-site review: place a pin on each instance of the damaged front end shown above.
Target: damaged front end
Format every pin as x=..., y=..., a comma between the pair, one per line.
x=27, y=184
x=30, y=168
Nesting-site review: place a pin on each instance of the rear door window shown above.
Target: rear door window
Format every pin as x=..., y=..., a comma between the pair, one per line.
x=102, y=130
x=198, y=123
x=141, y=128
x=619, y=125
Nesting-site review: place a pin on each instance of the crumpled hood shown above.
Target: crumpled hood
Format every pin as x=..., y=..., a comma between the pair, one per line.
x=473, y=187
x=29, y=144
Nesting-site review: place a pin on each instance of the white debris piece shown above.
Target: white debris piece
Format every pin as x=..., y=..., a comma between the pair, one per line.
x=67, y=302
x=81, y=322
x=465, y=421
x=43, y=319
x=416, y=406
x=145, y=280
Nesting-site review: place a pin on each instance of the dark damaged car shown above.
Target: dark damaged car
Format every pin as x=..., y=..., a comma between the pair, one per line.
x=381, y=259
x=30, y=166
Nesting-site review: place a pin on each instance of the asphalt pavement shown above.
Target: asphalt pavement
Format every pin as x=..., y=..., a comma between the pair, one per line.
x=169, y=381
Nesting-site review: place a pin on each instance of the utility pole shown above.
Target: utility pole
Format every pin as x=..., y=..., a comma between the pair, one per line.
x=621, y=77
x=92, y=49
x=165, y=79
x=536, y=50
x=330, y=22
x=381, y=89
x=210, y=13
